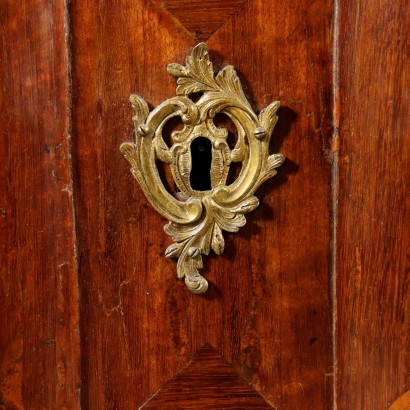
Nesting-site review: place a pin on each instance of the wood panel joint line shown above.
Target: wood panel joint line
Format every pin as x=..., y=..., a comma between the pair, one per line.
x=70, y=188
x=334, y=192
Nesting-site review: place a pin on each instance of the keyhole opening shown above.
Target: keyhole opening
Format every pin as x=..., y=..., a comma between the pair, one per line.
x=201, y=155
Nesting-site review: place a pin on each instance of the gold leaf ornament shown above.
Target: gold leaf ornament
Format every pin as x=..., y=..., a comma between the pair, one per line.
x=197, y=218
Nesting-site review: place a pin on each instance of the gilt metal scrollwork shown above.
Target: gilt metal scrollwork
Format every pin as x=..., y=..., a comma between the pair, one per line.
x=197, y=218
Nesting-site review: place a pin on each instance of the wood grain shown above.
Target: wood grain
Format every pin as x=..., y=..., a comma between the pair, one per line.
x=207, y=382
x=269, y=314
x=373, y=230
x=39, y=339
x=269, y=309
x=201, y=18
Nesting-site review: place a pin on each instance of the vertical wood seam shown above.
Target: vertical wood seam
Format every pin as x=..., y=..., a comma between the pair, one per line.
x=334, y=191
x=69, y=122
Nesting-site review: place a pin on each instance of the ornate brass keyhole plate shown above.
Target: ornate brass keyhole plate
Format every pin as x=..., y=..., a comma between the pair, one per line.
x=198, y=217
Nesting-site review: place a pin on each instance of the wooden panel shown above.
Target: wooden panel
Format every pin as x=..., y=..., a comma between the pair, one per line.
x=269, y=312
x=373, y=235
x=207, y=382
x=39, y=343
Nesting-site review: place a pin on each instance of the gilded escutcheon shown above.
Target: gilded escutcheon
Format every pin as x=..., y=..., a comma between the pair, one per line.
x=198, y=218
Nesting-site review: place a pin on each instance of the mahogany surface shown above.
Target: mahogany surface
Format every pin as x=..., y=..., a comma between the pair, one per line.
x=310, y=302
x=268, y=312
x=39, y=333
x=373, y=271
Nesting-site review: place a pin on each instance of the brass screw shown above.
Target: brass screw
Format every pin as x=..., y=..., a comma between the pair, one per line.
x=259, y=133
x=143, y=130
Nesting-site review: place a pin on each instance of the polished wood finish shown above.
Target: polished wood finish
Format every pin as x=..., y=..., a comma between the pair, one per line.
x=315, y=286
x=201, y=17
x=207, y=382
x=39, y=338
x=373, y=280
x=270, y=314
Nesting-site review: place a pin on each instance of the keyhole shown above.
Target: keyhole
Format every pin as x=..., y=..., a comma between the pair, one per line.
x=201, y=154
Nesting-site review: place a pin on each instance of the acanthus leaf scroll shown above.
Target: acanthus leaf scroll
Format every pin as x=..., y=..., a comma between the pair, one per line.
x=197, y=219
